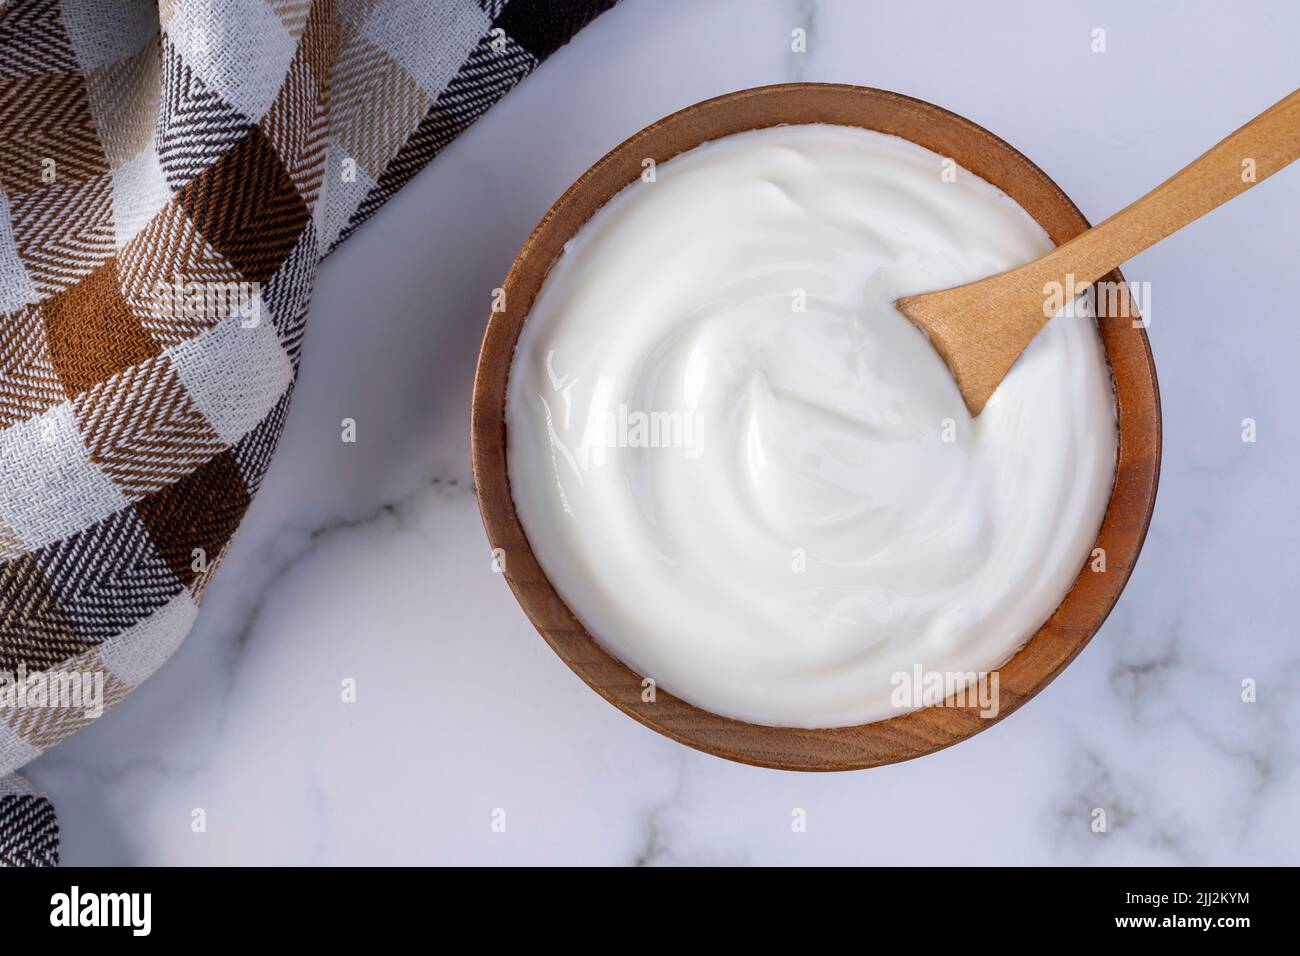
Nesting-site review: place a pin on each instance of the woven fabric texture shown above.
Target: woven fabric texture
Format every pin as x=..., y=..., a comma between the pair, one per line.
x=171, y=173
x=29, y=828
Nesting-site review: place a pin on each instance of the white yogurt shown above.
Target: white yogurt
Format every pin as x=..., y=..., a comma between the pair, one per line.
x=817, y=513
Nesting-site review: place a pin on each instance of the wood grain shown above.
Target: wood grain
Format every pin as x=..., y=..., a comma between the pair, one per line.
x=908, y=735
x=981, y=328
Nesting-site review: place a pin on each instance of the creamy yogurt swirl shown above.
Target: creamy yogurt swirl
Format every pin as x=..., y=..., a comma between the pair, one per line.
x=753, y=480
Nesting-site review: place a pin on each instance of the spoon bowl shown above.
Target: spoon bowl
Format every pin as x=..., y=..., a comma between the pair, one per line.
x=908, y=735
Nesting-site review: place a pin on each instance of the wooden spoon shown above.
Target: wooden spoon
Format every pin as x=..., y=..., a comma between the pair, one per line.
x=981, y=328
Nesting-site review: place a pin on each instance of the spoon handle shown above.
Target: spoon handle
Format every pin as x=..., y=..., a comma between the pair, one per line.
x=1253, y=153
x=980, y=328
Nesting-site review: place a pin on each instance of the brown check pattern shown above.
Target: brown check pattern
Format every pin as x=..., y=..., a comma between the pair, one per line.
x=171, y=173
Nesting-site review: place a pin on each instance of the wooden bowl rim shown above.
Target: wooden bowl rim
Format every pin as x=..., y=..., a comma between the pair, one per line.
x=908, y=735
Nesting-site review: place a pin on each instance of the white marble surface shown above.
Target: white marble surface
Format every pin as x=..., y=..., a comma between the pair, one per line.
x=368, y=561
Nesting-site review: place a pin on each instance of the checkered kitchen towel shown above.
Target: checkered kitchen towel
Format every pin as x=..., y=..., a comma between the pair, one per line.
x=171, y=173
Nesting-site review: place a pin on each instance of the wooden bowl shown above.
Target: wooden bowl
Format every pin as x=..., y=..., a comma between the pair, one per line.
x=908, y=735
